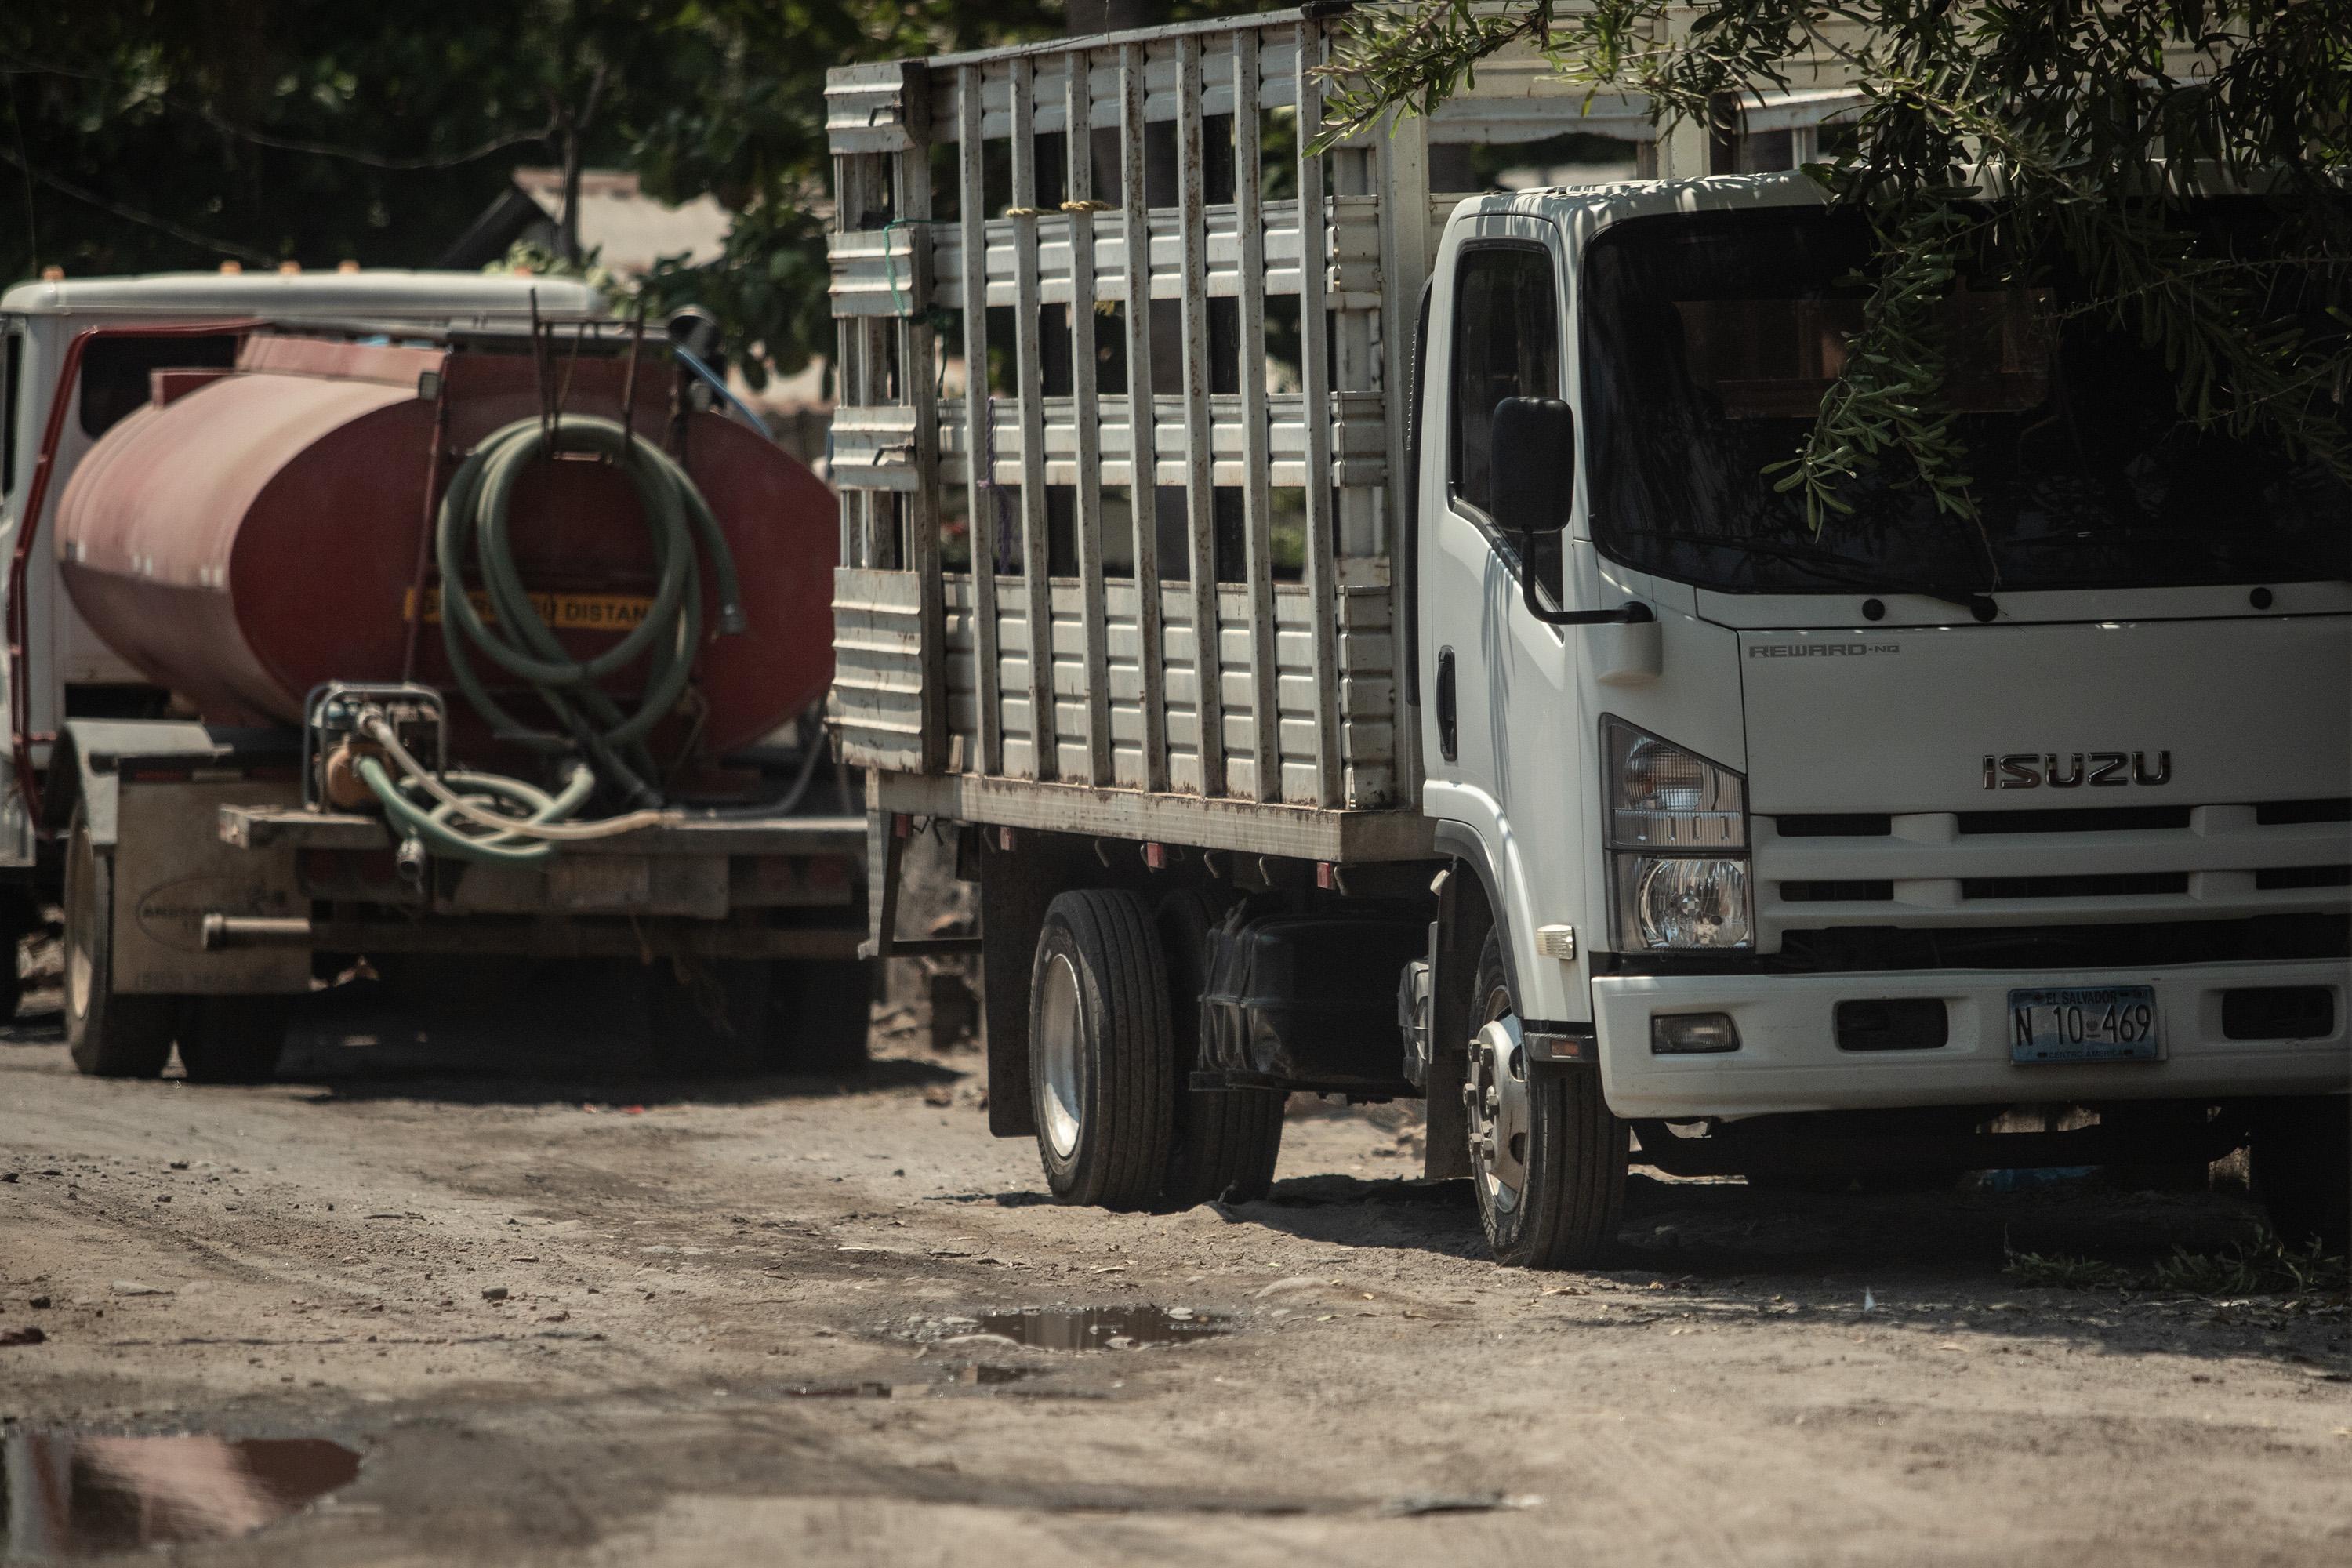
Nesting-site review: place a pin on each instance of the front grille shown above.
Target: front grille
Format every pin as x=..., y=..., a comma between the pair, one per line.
x=2076, y=819
x=2123, y=885
x=1837, y=892
x=2282, y=876
x=2150, y=860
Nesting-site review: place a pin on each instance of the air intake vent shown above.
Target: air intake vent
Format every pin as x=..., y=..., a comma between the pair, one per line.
x=1855, y=893
x=2130, y=884
x=2282, y=877
x=2278, y=1013
x=2284, y=813
x=1845, y=825
x=2076, y=819
x=1897, y=1024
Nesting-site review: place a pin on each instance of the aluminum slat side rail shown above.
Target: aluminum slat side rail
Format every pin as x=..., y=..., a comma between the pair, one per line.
x=1222, y=627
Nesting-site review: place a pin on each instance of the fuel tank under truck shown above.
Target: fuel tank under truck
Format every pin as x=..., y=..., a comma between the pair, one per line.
x=255, y=532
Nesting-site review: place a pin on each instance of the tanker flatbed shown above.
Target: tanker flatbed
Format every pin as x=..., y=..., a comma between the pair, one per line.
x=283, y=827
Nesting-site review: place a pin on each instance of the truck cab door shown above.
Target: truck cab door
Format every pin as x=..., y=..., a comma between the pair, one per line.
x=1500, y=699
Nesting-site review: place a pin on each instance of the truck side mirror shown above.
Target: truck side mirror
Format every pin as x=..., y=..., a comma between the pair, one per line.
x=1534, y=448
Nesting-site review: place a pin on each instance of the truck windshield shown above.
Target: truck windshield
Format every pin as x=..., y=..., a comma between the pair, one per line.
x=1708, y=340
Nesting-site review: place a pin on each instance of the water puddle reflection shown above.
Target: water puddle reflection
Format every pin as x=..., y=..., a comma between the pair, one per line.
x=71, y=1494
x=1100, y=1328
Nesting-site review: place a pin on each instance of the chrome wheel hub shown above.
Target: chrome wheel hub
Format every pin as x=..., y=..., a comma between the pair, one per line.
x=1495, y=1095
x=1059, y=1023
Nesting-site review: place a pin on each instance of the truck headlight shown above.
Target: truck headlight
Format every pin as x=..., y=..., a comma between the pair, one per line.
x=1677, y=837
x=1669, y=901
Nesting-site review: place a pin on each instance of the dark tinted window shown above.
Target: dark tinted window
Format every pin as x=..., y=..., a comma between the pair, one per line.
x=1709, y=340
x=115, y=371
x=1505, y=344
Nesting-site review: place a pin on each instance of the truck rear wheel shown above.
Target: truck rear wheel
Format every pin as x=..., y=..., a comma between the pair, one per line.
x=1102, y=1062
x=1224, y=1142
x=108, y=1035
x=234, y=1039
x=2302, y=1166
x=1547, y=1157
x=19, y=919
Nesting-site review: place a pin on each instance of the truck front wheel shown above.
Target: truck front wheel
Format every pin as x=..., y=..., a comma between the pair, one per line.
x=1102, y=1064
x=108, y=1035
x=1547, y=1157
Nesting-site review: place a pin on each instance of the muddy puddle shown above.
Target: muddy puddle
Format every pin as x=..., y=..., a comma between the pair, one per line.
x=1099, y=1328
x=75, y=1494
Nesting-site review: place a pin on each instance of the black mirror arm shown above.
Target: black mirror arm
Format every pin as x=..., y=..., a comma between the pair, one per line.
x=1632, y=613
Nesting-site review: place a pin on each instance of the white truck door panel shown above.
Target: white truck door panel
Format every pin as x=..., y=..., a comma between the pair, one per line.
x=1501, y=311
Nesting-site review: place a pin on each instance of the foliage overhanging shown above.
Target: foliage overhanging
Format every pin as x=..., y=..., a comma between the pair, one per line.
x=2097, y=122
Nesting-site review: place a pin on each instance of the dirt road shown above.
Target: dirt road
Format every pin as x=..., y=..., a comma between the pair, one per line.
x=567, y=1312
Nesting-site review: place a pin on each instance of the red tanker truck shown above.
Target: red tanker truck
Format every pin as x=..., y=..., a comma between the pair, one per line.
x=434, y=621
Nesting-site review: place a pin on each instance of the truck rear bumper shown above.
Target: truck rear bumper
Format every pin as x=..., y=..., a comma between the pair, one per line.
x=1789, y=1058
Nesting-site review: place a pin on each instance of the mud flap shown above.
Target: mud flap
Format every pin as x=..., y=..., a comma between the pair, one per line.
x=1461, y=924
x=172, y=870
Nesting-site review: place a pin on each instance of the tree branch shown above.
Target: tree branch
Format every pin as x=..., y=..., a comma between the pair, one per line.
x=287, y=144
x=145, y=219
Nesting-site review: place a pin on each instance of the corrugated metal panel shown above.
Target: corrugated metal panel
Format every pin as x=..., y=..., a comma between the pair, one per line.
x=867, y=265
x=1276, y=691
x=878, y=682
x=877, y=673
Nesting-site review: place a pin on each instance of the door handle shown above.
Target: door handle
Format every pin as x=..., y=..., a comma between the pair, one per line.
x=1448, y=740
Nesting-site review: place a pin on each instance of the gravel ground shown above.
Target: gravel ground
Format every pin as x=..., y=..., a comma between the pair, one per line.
x=568, y=1310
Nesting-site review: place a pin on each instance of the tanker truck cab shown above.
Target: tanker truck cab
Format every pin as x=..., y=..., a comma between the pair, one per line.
x=1681, y=826
x=259, y=737
x=77, y=356
x=1898, y=820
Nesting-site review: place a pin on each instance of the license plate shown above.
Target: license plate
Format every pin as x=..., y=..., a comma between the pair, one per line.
x=2083, y=1024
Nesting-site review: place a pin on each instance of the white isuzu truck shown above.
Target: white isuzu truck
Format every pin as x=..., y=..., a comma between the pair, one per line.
x=1350, y=637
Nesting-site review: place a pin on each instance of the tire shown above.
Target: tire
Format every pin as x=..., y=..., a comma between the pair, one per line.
x=108, y=1035
x=234, y=1039
x=1102, y=1060
x=820, y=1013
x=19, y=919
x=1223, y=1144
x=1571, y=1155
x=2302, y=1167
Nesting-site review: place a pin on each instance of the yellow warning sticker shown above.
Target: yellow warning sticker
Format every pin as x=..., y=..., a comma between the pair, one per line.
x=564, y=612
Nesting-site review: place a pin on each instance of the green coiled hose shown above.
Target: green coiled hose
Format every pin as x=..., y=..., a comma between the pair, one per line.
x=432, y=827
x=473, y=520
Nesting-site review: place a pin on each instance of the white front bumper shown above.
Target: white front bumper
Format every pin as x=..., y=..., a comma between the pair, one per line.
x=1789, y=1058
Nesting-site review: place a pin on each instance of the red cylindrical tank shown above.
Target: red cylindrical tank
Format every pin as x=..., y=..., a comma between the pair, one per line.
x=245, y=538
